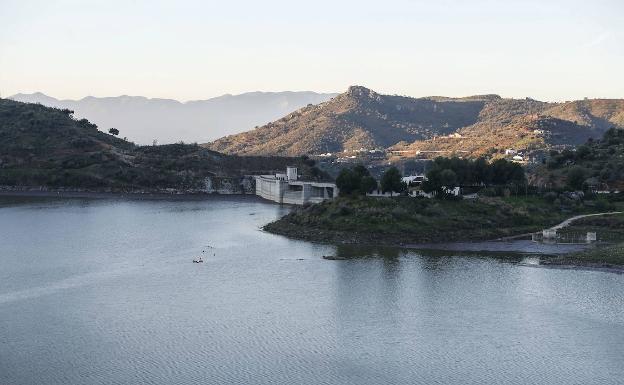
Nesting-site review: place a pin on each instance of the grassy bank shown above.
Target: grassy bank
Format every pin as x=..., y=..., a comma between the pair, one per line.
x=609, y=256
x=404, y=220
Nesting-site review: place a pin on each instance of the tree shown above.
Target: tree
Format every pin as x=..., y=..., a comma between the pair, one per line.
x=448, y=173
x=576, y=178
x=439, y=181
x=356, y=180
x=583, y=151
x=482, y=172
x=367, y=184
x=391, y=181
x=113, y=131
x=346, y=181
x=448, y=179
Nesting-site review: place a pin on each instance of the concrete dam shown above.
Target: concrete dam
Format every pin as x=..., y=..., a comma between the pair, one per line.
x=287, y=188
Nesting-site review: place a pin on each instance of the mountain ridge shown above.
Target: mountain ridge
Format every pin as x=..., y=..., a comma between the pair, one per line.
x=363, y=118
x=144, y=119
x=357, y=118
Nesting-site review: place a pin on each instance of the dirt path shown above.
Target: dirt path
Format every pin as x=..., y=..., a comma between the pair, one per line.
x=568, y=221
x=561, y=225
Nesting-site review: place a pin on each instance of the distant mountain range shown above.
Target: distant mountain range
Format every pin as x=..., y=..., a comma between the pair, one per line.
x=142, y=120
x=473, y=126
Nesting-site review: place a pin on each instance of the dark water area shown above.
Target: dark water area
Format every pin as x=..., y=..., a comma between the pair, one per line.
x=104, y=291
x=519, y=246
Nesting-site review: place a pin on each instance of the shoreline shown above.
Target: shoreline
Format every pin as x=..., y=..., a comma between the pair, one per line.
x=489, y=225
x=552, y=259
x=134, y=195
x=549, y=256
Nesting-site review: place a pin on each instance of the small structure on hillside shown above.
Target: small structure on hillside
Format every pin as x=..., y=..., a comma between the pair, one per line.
x=414, y=180
x=549, y=233
x=287, y=188
x=551, y=236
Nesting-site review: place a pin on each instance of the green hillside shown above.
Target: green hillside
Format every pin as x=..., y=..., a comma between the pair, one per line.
x=598, y=165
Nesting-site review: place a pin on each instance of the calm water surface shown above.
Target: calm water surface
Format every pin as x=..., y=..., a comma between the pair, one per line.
x=104, y=292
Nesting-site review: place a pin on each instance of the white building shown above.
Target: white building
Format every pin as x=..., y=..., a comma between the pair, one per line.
x=287, y=188
x=414, y=179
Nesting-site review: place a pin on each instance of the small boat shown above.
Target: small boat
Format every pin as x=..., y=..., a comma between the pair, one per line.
x=334, y=258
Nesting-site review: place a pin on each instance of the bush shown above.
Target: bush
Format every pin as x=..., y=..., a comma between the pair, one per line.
x=604, y=205
x=576, y=178
x=550, y=197
x=488, y=192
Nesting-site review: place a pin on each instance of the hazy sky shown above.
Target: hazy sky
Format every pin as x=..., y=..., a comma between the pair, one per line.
x=550, y=50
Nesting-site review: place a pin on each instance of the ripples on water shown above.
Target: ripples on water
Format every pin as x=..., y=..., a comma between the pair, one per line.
x=104, y=292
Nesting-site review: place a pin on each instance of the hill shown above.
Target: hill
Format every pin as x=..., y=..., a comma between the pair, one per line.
x=596, y=165
x=142, y=119
x=472, y=126
x=358, y=118
x=43, y=146
x=527, y=125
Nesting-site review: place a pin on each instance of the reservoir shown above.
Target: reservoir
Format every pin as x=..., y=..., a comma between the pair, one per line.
x=104, y=291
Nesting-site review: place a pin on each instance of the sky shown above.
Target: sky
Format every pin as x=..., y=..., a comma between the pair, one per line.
x=186, y=50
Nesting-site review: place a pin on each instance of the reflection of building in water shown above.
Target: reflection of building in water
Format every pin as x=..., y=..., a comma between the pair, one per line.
x=287, y=188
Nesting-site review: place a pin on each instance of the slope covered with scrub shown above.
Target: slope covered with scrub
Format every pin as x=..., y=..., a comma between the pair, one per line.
x=480, y=125
x=43, y=146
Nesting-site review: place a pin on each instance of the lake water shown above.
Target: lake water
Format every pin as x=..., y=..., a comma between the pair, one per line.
x=103, y=291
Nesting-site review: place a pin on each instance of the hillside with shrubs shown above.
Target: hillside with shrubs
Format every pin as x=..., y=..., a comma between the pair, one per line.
x=358, y=118
x=482, y=125
x=48, y=147
x=597, y=165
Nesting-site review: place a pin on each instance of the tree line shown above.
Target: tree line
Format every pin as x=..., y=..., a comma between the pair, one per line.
x=448, y=173
x=443, y=175
x=358, y=181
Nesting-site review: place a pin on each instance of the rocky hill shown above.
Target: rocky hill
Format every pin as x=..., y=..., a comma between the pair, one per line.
x=527, y=125
x=471, y=126
x=142, y=119
x=43, y=146
x=358, y=118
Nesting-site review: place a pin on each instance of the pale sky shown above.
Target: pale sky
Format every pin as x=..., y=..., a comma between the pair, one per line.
x=185, y=50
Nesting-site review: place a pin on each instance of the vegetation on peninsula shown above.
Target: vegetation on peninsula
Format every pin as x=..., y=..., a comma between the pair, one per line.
x=506, y=206
x=404, y=220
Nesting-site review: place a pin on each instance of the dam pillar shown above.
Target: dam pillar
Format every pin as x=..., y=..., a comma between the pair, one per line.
x=279, y=191
x=306, y=193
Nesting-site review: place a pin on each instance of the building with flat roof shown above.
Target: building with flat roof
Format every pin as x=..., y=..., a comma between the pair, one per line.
x=287, y=188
